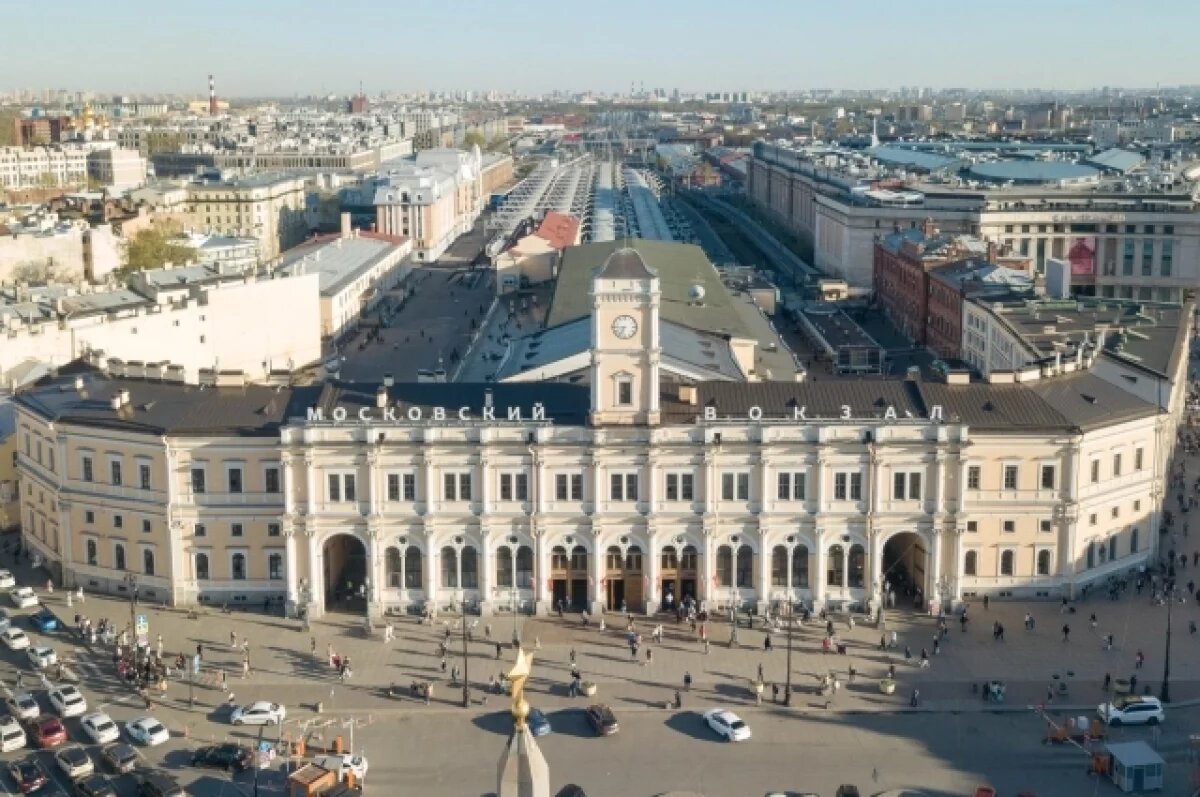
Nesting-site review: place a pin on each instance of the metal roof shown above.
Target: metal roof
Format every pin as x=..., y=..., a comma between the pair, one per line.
x=1025, y=171
x=337, y=262
x=1117, y=160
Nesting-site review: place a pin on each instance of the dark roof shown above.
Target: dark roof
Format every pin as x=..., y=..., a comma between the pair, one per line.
x=164, y=407
x=625, y=264
x=820, y=399
x=565, y=404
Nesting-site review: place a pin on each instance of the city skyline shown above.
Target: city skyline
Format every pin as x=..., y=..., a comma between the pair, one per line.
x=537, y=49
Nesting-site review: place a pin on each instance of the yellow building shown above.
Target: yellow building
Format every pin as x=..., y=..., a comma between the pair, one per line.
x=267, y=207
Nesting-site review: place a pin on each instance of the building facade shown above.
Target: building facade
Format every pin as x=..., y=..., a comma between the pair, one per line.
x=270, y=208
x=624, y=491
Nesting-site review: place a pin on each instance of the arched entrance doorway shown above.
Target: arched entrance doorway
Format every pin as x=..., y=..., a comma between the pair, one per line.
x=345, y=558
x=904, y=569
x=623, y=579
x=569, y=577
x=678, y=575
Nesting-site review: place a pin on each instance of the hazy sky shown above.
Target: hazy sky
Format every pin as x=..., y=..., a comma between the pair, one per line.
x=280, y=47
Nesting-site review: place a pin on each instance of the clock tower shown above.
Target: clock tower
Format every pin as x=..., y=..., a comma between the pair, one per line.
x=625, y=341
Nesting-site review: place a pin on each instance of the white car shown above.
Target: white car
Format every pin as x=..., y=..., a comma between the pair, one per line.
x=67, y=701
x=42, y=657
x=74, y=761
x=23, y=706
x=260, y=713
x=6, y=579
x=1132, y=710
x=14, y=638
x=727, y=724
x=23, y=597
x=100, y=728
x=147, y=731
x=346, y=762
x=5, y=620
x=12, y=735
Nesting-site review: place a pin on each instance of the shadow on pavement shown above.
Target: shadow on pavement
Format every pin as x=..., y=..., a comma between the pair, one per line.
x=498, y=722
x=691, y=723
x=571, y=722
x=176, y=759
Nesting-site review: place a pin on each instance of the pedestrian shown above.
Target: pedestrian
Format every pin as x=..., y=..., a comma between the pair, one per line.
x=1138, y=660
x=1092, y=620
x=915, y=700
x=223, y=682
x=200, y=651
x=1107, y=682
x=428, y=693
x=649, y=657
x=1050, y=694
x=907, y=652
x=760, y=671
x=233, y=639
x=158, y=644
x=443, y=664
x=329, y=653
x=1132, y=684
x=853, y=672
x=1066, y=632
x=892, y=671
x=986, y=601
x=937, y=646
x=487, y=631
x=498, y=650
x=687, y=682
x=706, y=647
x=572, y=657
x=312, y=646
x=924, y=658
x=767, y=643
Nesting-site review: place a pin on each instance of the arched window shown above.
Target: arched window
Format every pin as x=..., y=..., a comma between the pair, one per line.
x=470, y=568
x=91, y=549
x=238, y=566
x=689, y=558
x=836, y=567
x=525, y=567
x=1043, y=563
x=724, y=566
x=504, y=569
x=745, y=567
x=275, y=566
x=800, y=566
x=579, y=558
x=558, y=558
x=970, y=563
x=414, y=568
x=633, y=560
x=391, y=567
x=148, y=562
x=779, y=563
x=1006, y=563
x=669, y=558
x=857, y=566
x=612, y=559
x=1133, y=540
x=119, y=556
x=449, y=567
x=1091, y=554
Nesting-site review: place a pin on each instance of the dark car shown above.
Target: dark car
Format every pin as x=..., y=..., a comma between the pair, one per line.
x=223, y=756
x=28, y=774
x=120, y=757
x=602, y=720
x=46, y=731
x=847, y=790
x=539, y=724
x=151, y=783
x=44, y=620
x=94, y=786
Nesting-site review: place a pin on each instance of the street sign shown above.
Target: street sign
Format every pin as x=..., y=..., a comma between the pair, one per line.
x=142, y=626
x=196, y=664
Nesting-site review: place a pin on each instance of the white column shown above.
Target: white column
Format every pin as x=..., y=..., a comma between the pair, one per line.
x=818, y=584
x=376, y=494
x=288, y=467
x=874, y=564
x=541, y=571
x=538, y=484
x=877, y=484
x=599, y=496
x=651, y=490
x=819, y=482
x=939, y=540
x=316, y=572
x=595, y=590
x=763, y=587
x=487, y=578
x=289, y=539
x=483, y=479
x=432, y=586
x=939, y=484
x=373, y=571
x=708, y=567
x=651, y=570
x=956, y=581
x=310, y=475
x=710, y=483
x=766, y=495
x=431, y=485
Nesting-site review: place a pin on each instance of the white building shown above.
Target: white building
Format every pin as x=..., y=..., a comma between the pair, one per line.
x=120, y=169
x=25, y=167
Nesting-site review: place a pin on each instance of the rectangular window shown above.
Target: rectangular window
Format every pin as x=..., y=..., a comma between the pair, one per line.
x=568, y=486
x=972, y=526
x=145, y=526
x=623, y=486
x=1127, y=257
x=1116, y=465
x=144, y=476
x=348, y=486
x=624, y=393
x=1047, y=477
x=1139, y=455
x=898, y=485
x=198, y=485
x=855, y=486
x=1010, y=477
x=686, y=487
x=114, y=471
x=271, y=480
x=506, y=486
x=1147, y=258
x=393, y=486
x=118, y=522
x=198, y=530
x=1010, y=526
x=87, y=469
x=1092, y=519
x=236, y=529
x=275, y=567
x=735, y=486
x=1167, y=258
x=1095, y=471
x=839, y=486
x=1045, y=526
x=235, y=480
x=464, y=487
x=792, y=487
x=1116, y=512
x=974, y=473
x=514, y=487
x=906, y=486
x=273, y=530
x=456, y=486
x=89, y=516
x=335, y=487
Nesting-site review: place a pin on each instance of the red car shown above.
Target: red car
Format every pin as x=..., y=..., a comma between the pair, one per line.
x=28, y=774
x=47, y=731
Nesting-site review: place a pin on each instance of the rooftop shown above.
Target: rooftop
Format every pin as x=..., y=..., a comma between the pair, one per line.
x=338, y=261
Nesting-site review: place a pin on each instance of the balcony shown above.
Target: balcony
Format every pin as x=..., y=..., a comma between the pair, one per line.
x=232, y=499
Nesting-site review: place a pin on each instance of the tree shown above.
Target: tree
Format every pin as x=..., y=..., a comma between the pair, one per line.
x=34, y=272
x=473, y=138
x=156, y=246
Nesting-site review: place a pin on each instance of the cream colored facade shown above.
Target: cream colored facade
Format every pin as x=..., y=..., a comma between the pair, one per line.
x=737, y=494
x=270, y=209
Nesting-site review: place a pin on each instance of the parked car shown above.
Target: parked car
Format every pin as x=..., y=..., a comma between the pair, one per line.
x=23, y=597
x=44, y=620
x=14, y=638
x=261, y=713
x=12, y=735
x=42, y=657
x=28, y=774
x=539, y=724
x=727, y=724
x=1132, y=710
x=602, y=720
x=152, y=783
x=5, y=620
x=74, y=761
x=147, y=731
x=847, y=790
x=23, y=706
x=67, y=701
x=6, y=579
x=344, y=762
x=94, y=786
x=46, y=731
x=120, y=757
x=223, y=756
x=100, y=727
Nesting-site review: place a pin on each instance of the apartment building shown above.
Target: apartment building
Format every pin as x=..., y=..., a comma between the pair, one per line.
x=22, y=167
x=269, y=207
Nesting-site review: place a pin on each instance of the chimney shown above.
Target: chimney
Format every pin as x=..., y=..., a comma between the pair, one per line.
x=388, y=380
x=79, y=384
x=992, y=252
x=115, y=401
x=346, y=229
x=687, y=394
x=124, y=394
x=381, y=397
x=928, y=228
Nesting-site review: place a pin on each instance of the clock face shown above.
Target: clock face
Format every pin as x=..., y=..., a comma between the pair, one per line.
x=624, y=326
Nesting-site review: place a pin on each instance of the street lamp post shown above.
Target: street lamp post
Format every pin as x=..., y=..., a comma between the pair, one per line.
x=516, y=634
x=367, y=622
x=466, y=691
x=132, y=587
x=1165, y=695
x=787, y=690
